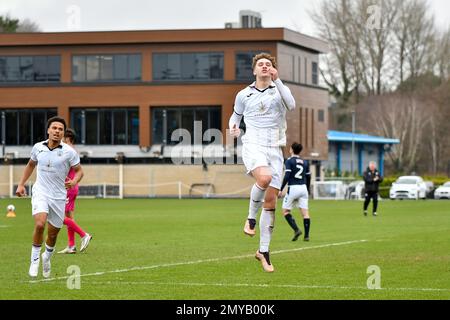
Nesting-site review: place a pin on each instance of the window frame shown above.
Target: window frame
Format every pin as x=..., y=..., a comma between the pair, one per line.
x=102, y=113
x=165, y=136
x=100, y=57
x=32, y=80
x=181, y=77
x=31, y=114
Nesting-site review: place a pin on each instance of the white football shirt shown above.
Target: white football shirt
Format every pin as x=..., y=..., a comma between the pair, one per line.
x=52, y=168
x=264, y=113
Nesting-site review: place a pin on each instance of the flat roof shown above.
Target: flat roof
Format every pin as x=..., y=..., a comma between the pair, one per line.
x=163, y=36
x=341, y=136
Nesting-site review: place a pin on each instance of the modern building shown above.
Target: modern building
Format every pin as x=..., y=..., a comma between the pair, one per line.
x=366, y=148
x=125, y=92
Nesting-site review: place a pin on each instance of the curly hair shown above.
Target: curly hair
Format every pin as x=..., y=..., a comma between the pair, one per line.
x=264, y=55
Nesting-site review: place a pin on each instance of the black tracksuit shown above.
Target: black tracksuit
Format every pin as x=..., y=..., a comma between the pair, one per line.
x=371, y=188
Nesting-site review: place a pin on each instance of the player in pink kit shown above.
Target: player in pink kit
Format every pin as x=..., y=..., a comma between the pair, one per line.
x=72, y=226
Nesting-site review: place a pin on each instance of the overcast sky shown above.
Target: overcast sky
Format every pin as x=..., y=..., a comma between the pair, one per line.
x=60, y=15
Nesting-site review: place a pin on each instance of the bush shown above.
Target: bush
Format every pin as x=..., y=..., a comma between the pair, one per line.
x=438, y=180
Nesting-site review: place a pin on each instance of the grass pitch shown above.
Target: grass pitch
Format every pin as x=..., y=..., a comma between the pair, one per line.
x=195, y=249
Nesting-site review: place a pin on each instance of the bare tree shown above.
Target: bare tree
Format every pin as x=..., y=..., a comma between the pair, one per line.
x=10, y=25
x=436, y=145
x=400, y=116
x=28, y=26
x=443, y=54
x=421, y=31
x=333, y=20
x=377, y=42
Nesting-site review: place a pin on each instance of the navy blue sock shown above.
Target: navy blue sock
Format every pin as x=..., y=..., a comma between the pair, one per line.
x=307, y=224
x=291, y=222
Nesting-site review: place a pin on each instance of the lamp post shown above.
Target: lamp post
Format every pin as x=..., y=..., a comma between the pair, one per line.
x=3, y=133
x=353, y=142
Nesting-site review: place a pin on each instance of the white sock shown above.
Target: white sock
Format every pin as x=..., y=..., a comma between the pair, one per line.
x=256, y=201
x=35, y=252
x=266, y=225
x=49, y=251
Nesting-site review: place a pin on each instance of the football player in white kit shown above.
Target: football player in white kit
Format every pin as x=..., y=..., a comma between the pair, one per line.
x=53, y=159
x=263, y=104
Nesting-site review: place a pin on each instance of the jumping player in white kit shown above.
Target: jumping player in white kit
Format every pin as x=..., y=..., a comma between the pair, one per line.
x=263, y=105
x=53, y=159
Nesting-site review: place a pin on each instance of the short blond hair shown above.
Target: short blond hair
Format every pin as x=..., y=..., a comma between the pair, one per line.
x=264, y=55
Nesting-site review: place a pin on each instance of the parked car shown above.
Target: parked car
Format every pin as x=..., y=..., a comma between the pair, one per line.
x=443, y=192
x=408, y=187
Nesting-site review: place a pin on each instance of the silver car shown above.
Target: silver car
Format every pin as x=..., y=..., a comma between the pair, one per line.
x=443, y=192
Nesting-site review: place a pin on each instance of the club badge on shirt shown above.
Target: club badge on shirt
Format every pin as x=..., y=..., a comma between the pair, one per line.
x=60, y=153
x=261, y=107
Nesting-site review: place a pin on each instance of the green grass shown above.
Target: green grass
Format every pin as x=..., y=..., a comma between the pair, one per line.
x=409, y=241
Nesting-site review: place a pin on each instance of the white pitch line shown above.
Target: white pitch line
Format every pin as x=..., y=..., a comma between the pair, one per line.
x=293, y=286
x=198, y=261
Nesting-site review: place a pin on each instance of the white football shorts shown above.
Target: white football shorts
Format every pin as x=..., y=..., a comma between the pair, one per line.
x=53, y=207
x=255, y=156
x=297, y=195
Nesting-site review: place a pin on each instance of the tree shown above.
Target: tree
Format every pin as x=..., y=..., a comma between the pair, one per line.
x=11, y=25
x=333, y=23
x=436, y=146
x=367, y=60
x=401, y=116
x=28, y=26
x=7, y=24
x=443, y=54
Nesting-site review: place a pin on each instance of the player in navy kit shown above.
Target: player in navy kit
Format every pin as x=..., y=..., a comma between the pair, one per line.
x=298, y=178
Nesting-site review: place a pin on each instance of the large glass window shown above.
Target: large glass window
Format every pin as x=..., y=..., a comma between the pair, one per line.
x=188, y=66
x=100, y=126
x=92, y=68
x=321, y=116
x=13, y=68
x=120, y=127
x=134, y=67
x=26, y=126
x=53, y=68
x=244, y=62
x=79, y=68
x=166, y=120
x=26, y=68
x=3, y=76
x=315, y=73
x=1, y=127
x=91, y=127
x=113, y=67
x=120, y=67
x=30, y=69
x=133, y=127
x=106, y=63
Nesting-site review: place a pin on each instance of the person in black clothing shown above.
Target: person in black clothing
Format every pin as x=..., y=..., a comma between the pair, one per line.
x=372, y=179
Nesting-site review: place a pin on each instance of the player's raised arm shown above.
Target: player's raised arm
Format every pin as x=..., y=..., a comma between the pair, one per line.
x=285, y=92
